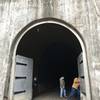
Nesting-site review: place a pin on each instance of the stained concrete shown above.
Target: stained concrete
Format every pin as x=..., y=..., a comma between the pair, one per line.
x=84, y=15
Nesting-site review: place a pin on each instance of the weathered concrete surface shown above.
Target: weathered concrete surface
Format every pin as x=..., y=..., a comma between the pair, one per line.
x=84, y=15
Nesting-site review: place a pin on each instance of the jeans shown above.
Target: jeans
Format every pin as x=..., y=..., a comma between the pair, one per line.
x=62, y=92
x=74, y=92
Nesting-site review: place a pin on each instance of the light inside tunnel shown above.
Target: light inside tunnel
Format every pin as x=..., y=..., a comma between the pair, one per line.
x=54, y=50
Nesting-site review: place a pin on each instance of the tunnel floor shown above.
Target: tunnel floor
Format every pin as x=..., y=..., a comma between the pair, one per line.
x=50, y=95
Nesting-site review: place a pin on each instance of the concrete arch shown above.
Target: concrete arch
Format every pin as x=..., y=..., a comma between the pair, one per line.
x=39, y=22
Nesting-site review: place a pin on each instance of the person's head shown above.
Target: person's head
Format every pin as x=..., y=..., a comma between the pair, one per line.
x=35, y=78
x=75, y=80
x=62, y=78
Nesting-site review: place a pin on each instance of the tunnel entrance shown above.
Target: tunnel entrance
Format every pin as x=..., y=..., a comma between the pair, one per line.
x=54, y=51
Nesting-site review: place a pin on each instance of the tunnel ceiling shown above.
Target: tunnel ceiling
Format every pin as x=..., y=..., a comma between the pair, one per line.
x=52, y=37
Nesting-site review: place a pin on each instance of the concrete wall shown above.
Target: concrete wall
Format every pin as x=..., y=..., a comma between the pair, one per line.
x=84, y=15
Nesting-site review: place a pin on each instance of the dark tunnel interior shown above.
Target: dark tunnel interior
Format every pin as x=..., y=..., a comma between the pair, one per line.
x=54, y=50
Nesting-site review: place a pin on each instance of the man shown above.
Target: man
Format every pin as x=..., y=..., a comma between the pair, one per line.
x=75, y=92
x=62, y=87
